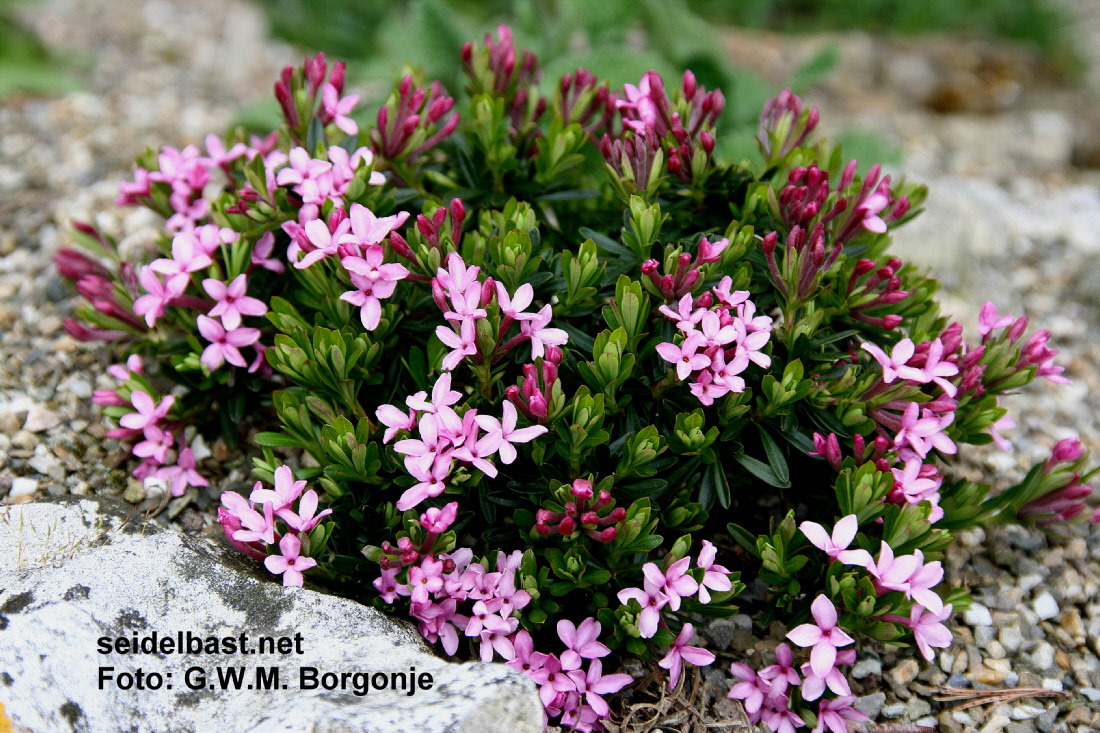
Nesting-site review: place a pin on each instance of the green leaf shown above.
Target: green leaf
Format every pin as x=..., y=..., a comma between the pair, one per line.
x=276, y=440
x=761, y=470
x=776, y=459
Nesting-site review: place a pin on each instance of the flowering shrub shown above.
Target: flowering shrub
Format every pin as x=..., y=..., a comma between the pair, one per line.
x=569, y=382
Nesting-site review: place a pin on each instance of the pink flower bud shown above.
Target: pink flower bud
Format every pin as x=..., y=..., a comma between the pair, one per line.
x=582, y=489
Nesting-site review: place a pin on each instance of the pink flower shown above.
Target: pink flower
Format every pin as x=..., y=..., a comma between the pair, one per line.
x=674, y=582
x=261, y=254
x=922, y=581
x=929, y=630
x=395, y=420
x=386, y=584
x=186, y=257
x=367, y=230
x=324, y=242
x=924, y=433
x=509, y=434
x=431, y=483
x=515, y=306
x=425, y=579
x=457, y=277
x=867, y=212
x=651, y=600
x=781, y=719
x=232, y=303
x=844, y=532
x=824, y=636
x=680, y=652
x=725, y=297
x=339, y=109
x=596, y=683
x=224, y=345
x=526, y=659
x=989, y=320
x=442, y=396
x=290, y=564
x=183, y=474
x=835, y=714
x=684, y=356
x=156, y=444
x=306, y=518
x=715, y=577
x=437, y=520
x=219, y=156
x=147, y=413
x=752, y=689
x=889, y=573
x=893, y=366
x=537, y=329
x=685, y=315
x=581, y=642
x=781, y=675
x=373, y=281
x=285, y=494
x=462, y=344
x=935, y=370
x=159, y=294
x=477, y=452
x=551, y=680
x=813, y=686
x=256, y=527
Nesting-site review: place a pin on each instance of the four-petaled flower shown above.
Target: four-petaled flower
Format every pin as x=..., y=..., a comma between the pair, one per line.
x=824, y=636
x=289, y=564
x=680, y=652
x=844, y=532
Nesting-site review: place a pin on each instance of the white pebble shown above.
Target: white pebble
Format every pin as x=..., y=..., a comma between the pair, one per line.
x=1049, y=683
x=978, y=615
x=1045, y=606
x=22, y=487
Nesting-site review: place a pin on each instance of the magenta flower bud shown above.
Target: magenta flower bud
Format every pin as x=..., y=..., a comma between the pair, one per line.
x=315, y=70
x=617, y=515
x=549, y=373
x=94, y=287
x=467, y=54
x=286, y=103
x=971, y=358
x=401, y=247
x=383, y=118
x=690, y=85
x=1066, y=451
x=863, y=267
x=567, y=526
x=565, y=82
x=74, y=264
x=439, y=108
x=488, y=292
x=590, y=519
x=1016, y=330
x=437, y=520
x=108, y=397
x=891, y=322
x=336, y=218
x=539, y=407
x=82, y=333
x=408, y=127
x=458, y=215
x=542, y=529
x=607, y=535
x=582, y=489
x=336, y=79
x=553, y=355
x=439, y=296
x=129, y=276
x=769, y=243
x=674, y=164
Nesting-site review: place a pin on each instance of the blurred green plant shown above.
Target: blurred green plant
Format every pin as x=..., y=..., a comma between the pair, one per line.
x=1042, y=23
x=26, y=66
x=621, y=38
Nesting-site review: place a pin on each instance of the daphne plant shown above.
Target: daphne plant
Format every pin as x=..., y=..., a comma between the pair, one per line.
x=542, y=348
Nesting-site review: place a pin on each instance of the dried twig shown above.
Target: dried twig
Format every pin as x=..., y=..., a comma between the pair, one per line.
x=974, y=698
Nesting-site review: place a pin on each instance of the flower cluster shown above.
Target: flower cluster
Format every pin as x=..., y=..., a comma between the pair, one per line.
x=287, y=520
x=447, y=437
x=717, y=345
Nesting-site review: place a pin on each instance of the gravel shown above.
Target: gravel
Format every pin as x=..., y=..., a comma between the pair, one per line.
x=1013, y=220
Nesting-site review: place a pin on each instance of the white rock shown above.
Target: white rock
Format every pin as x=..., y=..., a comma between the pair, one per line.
x=75, y=571
x=39, y=419
x=1045, y=606
x=1026, y=712
x=198, y=447
x=978, y=615
x=22, y=487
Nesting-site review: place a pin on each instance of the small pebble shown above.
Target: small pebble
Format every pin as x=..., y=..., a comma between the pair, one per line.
x=1045, y=606
x=871, y=705
x=893, y=711
x=867, y=667
x=22, y=487
x=978, y=615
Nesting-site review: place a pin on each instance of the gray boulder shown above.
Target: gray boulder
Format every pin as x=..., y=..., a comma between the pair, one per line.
x=80, y=580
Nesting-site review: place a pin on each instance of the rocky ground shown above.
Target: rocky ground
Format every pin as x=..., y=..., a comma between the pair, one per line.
x=1013, y=216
